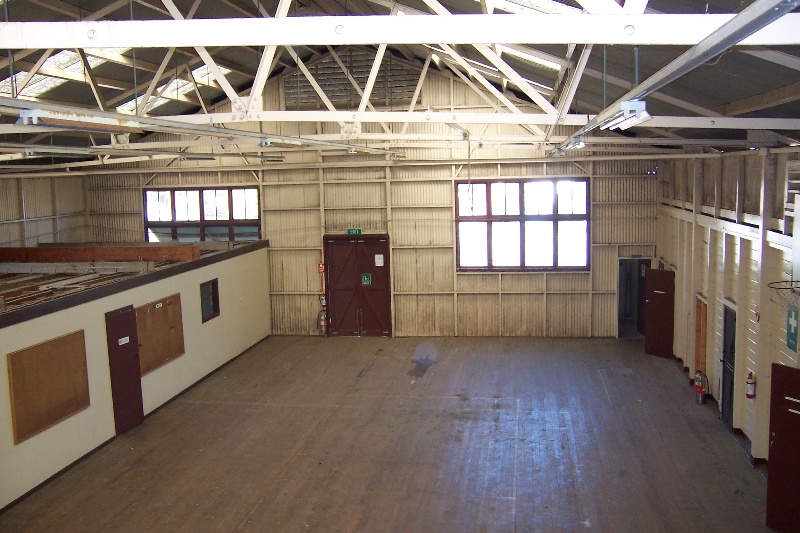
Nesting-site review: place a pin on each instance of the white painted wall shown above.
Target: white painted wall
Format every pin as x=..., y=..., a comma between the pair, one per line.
x=244, y=320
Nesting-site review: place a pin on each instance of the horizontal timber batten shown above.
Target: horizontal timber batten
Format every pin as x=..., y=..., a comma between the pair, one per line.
x=74, y=254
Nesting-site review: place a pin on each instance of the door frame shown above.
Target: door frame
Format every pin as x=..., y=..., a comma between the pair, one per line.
x=727, y=397
x=372, y=237
x=700, y=334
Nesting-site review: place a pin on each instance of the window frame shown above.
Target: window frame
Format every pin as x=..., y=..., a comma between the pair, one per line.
x=173, y=225
x=214, y=285
x=489, y=218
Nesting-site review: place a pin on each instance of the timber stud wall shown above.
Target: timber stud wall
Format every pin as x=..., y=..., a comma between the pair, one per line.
x=724, y=224
x=316, y=193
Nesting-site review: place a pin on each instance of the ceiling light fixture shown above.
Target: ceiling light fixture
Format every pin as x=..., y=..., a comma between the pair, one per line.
x=631, y=113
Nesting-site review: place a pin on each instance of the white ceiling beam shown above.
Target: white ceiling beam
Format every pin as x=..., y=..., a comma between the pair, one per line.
x=571, y=87
x=69, y=75
x=483, y=81
x=266, y=63
x=230, y=92
x=373, y=75
x=92, y=81
x=647, y=29
x=34, y=69
x=417, y=89
x=500, y=64
x=154, y=82
x=440, y=117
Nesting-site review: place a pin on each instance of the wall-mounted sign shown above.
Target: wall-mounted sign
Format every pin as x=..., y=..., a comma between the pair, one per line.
x=354, y=231
x=791, y=327
x=366, y=279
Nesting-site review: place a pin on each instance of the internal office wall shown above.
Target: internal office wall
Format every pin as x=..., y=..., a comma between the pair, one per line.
x=42, y=210
x=244, y=320
x=723, y=224
x=411, y=200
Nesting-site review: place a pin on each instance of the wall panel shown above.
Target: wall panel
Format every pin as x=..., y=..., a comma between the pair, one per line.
x=478, y=316
x=424, y=315
x=569, y=315
x=523, y=315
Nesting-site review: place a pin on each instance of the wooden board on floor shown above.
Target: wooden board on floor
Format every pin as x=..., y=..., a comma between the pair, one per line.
x=48, y=384
x=159, y=326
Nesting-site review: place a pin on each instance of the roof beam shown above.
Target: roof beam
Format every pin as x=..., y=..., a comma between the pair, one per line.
x=782, y=95
x=354, y=83
x=230, y=92
x=648, y=29
x=92, y=81
x=265, y=65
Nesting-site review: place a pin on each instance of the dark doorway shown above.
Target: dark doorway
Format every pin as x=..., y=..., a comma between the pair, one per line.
x=631, y=291
x=123, y=364
x=728, y=365
x=783, y=482
x=358, y=285
x=659, y=312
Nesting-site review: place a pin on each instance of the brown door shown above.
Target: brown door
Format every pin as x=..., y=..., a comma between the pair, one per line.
x=644, y=264
x=123, y=363
x=700, y=332
x=659, y=287
x=783, y=482
x=358, y=285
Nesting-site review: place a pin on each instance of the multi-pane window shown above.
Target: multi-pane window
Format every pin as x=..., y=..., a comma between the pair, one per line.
x=190, y=215
x=523, y=224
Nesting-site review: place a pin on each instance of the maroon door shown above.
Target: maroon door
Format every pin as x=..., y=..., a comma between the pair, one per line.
x=358, y=285
x=374, y=297
x=123, y=364
x=659, y=287
x=783, y=481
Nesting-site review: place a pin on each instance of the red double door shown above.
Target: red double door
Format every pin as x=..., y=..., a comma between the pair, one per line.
x=358, y=285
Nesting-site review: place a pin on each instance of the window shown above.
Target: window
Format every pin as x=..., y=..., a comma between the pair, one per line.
x=209, y=300
x=523, y=224
x=191, y=215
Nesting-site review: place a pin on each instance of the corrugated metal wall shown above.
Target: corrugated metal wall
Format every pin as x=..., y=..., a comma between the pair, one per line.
x=414, y=205
x=724, y=252
x=42, y=210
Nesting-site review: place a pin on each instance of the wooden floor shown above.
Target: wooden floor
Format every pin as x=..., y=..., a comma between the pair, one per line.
x=410, y=435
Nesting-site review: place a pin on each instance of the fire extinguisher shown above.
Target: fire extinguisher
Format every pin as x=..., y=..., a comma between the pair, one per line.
x=322, y=316
x=751, y=385
x=700, y=387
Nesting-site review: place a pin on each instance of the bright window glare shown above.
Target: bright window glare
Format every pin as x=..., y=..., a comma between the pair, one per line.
x=539, y=243
x=471, y=199
x=505, y=244
x=505, y=198
x=473, y=249
x=571, y=197
x=572, y=243
x=539, y=198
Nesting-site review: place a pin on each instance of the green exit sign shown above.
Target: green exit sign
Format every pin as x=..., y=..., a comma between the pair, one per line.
x=366, y=280
x=354, y=231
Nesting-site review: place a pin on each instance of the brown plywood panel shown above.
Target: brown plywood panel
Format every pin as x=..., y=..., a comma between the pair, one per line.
x=48, y=383
x=159, y=326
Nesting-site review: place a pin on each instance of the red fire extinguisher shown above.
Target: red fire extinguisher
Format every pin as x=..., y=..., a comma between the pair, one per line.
x=751, y=385
x=700, y=387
